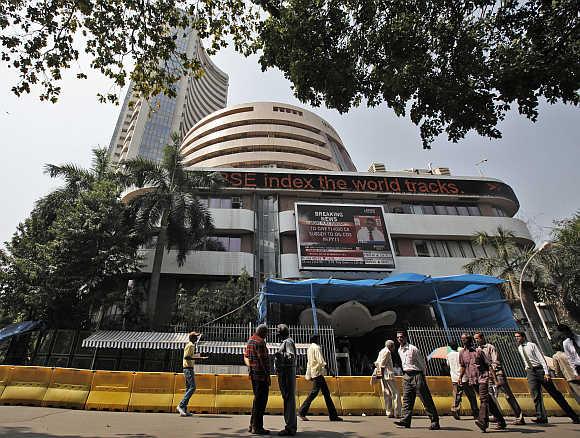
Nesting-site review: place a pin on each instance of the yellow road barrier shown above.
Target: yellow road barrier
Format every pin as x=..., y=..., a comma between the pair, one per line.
x=26, y=386
x=358, y=396
x=68, y=388
x=4, y=369
x=203, y=400
x=233, y=394
x=152, y=392
x=110, y=391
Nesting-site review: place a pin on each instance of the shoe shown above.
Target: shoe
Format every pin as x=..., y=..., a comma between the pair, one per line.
x=481, y=425
x=286, y=432
x=182, y=412
x=303, y=417
x=336, y=419
x=576, y=420
x=434, y=426
x=402, y=424
x=262, y=432
x=250, y=429
x=519, y=422
x=455, y=415
x=540, y=420
x=501, y=425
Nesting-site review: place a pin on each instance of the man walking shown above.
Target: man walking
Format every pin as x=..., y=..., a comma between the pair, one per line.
x=257, y=360
x=315, y=371
x=459, y=387
x=414, y=383
x=188, y=373
x=385, y=371
x=538, y=377
x=476, y=367
x=563, y=369
x=571, y=347
x=499, y=377
x=285, y=363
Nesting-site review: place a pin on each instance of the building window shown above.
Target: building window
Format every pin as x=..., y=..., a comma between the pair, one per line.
x=499, y=212
x=421, y=248
x=223, y=243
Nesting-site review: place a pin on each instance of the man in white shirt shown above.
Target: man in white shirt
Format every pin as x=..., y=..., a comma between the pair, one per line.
x=459, y=387
x=414, y=383
x=370, y=233
x=571, y=347
x=384, y=370
x=315, y=371
x=539, y=376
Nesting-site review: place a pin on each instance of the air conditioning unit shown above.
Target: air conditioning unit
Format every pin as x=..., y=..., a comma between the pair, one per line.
x=237, y=202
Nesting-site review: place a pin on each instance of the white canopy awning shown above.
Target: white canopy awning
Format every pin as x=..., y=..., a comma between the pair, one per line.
x=163, y=341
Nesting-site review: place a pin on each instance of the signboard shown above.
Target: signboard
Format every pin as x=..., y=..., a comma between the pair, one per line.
x=411, y=184
x=343, y=237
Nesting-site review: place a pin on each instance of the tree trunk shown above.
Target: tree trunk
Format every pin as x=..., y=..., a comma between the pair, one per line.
x=156, y=272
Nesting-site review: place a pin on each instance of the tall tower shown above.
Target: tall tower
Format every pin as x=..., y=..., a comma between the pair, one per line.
x=144, y=128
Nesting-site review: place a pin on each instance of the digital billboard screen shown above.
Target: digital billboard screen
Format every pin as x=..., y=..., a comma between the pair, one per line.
x=343, y=237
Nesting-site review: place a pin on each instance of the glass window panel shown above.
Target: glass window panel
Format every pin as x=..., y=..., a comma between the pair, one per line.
x=442, y=250
x=462, y=210
x=474, y=210
x=83, y=362
x=451, y=210
x=215, y=202
x=396, y=247
x=227, y=203
x=467, y=249
x=433, y=248
x=45, y=342
x=235, y=244
x=64, y=341
x=499, y=212
x=454, y=248
x=479, y=251
x=490, y=250
x=417, y=209
x=421, y=248
x=440, y=209
x=428, y=209
x=407, y=209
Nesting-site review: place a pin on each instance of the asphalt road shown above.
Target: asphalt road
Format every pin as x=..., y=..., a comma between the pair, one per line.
x=28, y=422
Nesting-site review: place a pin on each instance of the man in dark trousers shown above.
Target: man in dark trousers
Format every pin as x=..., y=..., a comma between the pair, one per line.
x=257, y=360
x=414, y=383
x=315, y=371
x=475, y=366
x=499, y=377
x=285, y=363
x=539, y=376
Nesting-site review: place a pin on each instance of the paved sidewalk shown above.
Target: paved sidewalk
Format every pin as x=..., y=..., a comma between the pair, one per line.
x=29, y=422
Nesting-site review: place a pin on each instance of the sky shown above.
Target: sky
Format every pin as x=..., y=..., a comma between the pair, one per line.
x=538, y=160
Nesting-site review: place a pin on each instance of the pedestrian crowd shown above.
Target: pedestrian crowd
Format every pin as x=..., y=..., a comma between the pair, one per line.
x=475, y=369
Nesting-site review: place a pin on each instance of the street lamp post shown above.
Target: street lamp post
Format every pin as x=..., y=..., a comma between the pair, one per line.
x=543, y=246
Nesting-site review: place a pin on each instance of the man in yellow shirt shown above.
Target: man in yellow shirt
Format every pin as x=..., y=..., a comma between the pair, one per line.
x=188, y=373
x=315, y=371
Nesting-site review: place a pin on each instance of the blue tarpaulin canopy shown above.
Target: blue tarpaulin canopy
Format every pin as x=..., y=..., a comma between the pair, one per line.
x=460, y=300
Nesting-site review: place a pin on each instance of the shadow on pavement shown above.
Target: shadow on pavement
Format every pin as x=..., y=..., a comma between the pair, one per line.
x=26, y=432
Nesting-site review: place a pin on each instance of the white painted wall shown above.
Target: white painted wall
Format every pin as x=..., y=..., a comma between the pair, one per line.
x=232, y=219
x=201, y=262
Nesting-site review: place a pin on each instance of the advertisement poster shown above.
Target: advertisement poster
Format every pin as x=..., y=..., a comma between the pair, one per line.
x=343, y=237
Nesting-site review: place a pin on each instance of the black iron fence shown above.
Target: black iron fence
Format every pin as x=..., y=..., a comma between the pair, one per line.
x=428, y=339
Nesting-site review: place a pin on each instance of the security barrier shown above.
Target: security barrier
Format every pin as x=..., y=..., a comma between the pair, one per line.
x=203, y=400
x=228, y=393
x=26, y=386
x=68, y=388
x=318, y=406
x=4, y=369
x=358, y=396
x=110, y=391
x=233, y=394
x=152, y=392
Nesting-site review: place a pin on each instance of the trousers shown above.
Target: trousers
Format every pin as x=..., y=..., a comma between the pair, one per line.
x=392, y=398
x=190, y=387
x=287, y=383
x=415, y=384
x=458, y=391
x=261, y=390
x=536, y=382
x=319, y=385
x=487, y=404
x=502, y=385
